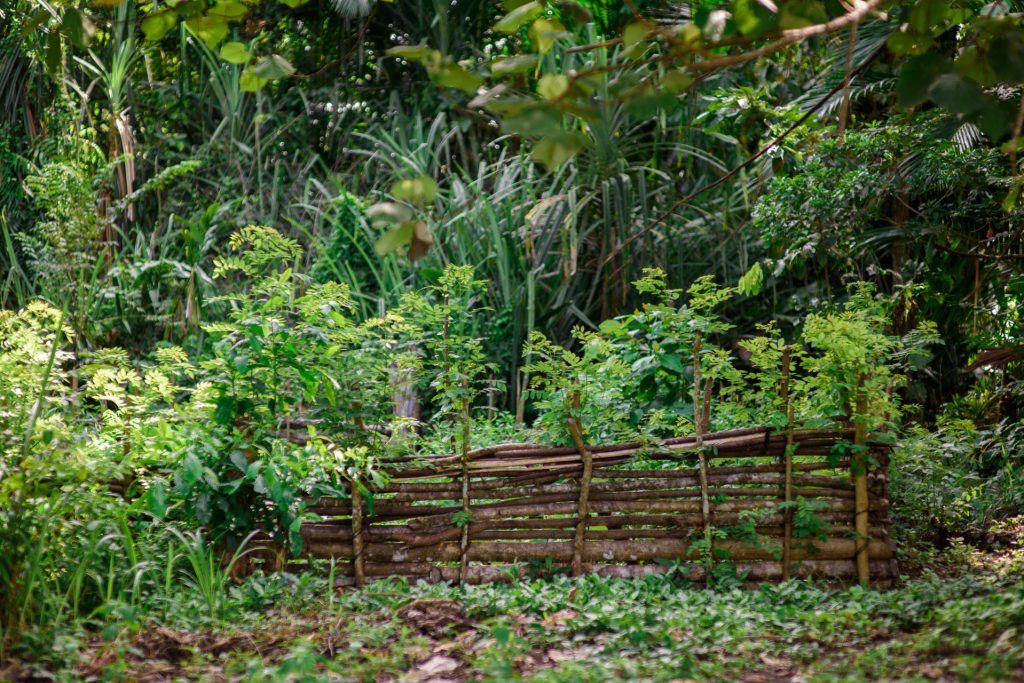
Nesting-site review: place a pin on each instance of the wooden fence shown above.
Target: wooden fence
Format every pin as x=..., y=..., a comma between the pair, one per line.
x=768, y=505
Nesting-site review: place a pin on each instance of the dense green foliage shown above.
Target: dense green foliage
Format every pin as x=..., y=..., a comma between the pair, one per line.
x=250, y=252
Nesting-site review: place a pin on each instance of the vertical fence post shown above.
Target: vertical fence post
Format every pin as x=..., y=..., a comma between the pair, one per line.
x=859, y=466
x=464, y=536
x=701, y=414
x=583, y=510
x=357, y=535
x=787, y=515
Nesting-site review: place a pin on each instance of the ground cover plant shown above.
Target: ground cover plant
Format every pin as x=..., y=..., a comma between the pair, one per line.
x=256, y=255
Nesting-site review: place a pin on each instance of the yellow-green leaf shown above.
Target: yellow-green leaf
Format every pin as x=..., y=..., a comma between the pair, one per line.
x=410, y=52
x=634, y=33
x=676, y=81
x=234, y=52
x=454, y=76
x=156, y=26
x=230, y=10
x=395, y=238
x=210, y=29
x=422, y=190
x=520, y=16
x=273, y=68
x=250, y=82
x=552, y=86
x=514, y=65
x=544, y=32
x=552, y=152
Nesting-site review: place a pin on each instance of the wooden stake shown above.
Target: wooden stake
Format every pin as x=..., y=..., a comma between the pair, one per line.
x=699, y=413
x=584, y=500
x=357, y=535
x=464, y=540
x=787, y=534
x=860, y=486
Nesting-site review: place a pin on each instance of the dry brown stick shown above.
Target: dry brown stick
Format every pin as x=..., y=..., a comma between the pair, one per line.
x=860, y=484
x=357, y=535
x=698, y=423
x=788, y=464
x=584, y=496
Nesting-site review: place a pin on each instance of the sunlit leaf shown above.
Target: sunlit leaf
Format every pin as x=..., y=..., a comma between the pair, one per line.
x=552, y=86
x=410, y=52
x=210, y=29
x=422, y=190
x=544, y=32
x=235, y=52
x=514, y=65
x=518, y=17
x=155, y=26
x=395, y=238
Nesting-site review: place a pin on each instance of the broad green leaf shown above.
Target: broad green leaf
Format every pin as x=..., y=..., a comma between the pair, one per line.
x=634, y=33
x=754, y=17
x=552, y=86
x=518, y=17
x=957, y=93
x=928, y=13
x=38, y=19
x=250, y=82
x=210, y=29
x=235, y=52
x=552, y=152
x=54, y=55
x=996, y=118
x=156, y=499
x=389, y=213
x=514, y=65
x=976, y=65
x=455, y=76
x=422, y=190
x=544, y=32
x=1006, y=55
x=676, y=81
x=155, y=26
x=273, y=68
x=802, y=13
x=230, y=10
x=917, y=76
x=539, y=120
x=410, y=52
x=79, y=27
x=908, y=43
x=395, y=238
x=293, y=3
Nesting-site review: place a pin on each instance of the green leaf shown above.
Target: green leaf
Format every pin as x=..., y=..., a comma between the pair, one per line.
x=209, y=29
x=520, y=16
x=273, y=68
x=389, y=213
x=928, y=13
x=235, y=52
x=751, y=281
x=1007, y=57
x=156, y=499
x=754, y=17
x=250, y=82
x=229, y=10
x=676, y=81
x=544, y=32
x=411, y=52
x=225, y=409
x=996, y=118
x=976, y=65
x=552, y=152
x=293, y=3
x=957, y=93
x=455, y=76
x=634, y=33
x=422, y=190
x=54, y=55
x=552, y=86
x=80, y=28
x=906, y=43
x=916, y=78
x=155, y=26
x=514, y=65
x=395, y=238
x=802, y=13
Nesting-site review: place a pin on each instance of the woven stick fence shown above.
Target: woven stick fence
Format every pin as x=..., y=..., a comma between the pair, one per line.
x=492, y=513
